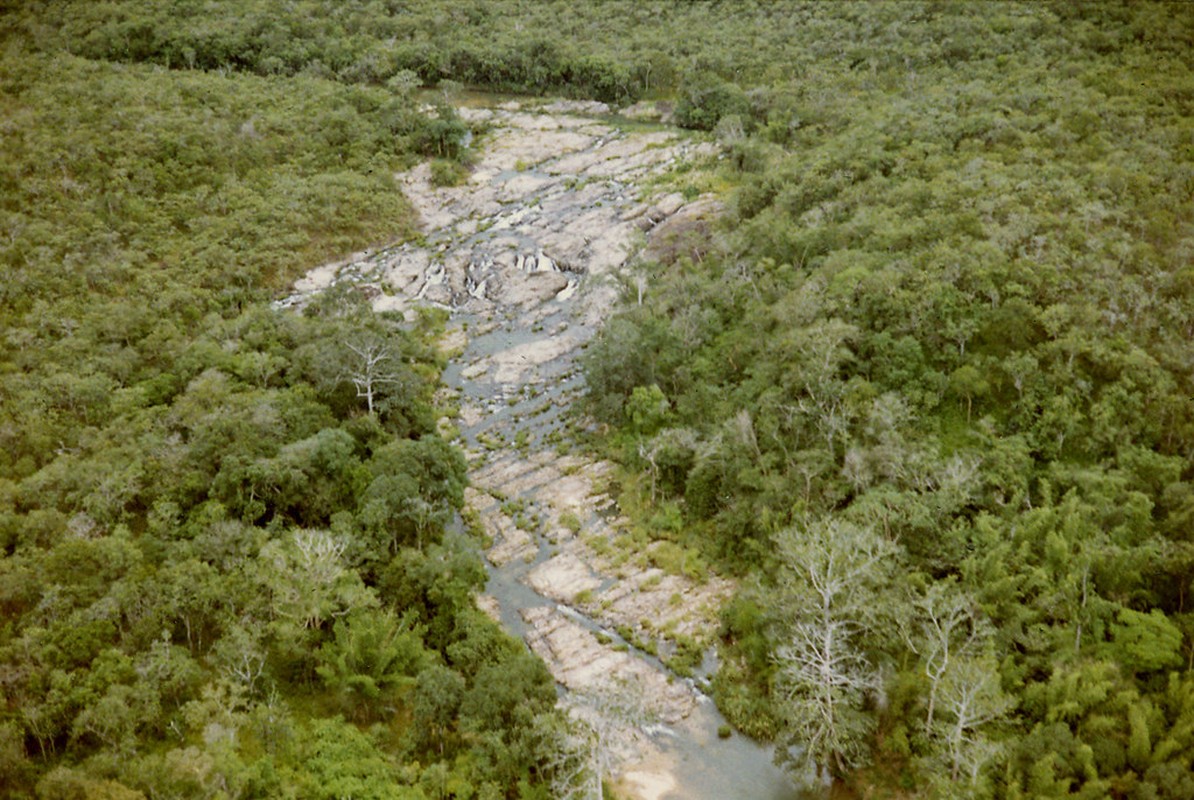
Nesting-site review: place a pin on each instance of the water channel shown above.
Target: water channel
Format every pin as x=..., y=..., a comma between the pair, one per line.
x=699, y=764
x=527, y=256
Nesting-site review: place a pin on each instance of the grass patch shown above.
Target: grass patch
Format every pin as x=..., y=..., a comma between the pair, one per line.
x=687, y=657
x=747, y=706
x=599, y=545
x=675, y=559
x=473, y=525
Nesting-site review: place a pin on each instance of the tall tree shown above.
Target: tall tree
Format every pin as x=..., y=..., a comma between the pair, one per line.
x=372, y=366
x=945, y=628
x=832, y=573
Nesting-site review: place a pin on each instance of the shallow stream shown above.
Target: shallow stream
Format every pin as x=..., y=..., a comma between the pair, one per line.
x=527, y=256
x=699, y=764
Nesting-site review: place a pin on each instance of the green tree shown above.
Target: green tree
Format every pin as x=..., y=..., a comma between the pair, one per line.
x=341, y=761
x=373, y=658
x=1146, y=642
x=647, y=409
x=417, y=485
x=437, y=697
x=968, y=382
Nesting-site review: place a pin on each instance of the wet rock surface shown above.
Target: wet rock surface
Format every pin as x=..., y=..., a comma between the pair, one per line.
x=527, y=255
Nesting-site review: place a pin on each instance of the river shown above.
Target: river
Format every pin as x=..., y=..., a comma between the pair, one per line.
x=529, y=255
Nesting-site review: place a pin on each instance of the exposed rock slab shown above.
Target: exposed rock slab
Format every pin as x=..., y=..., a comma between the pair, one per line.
x=544, y=206
x=649, y=111
x=580, y=663
x=563, y=577
x=526, y=251
x=653, y=603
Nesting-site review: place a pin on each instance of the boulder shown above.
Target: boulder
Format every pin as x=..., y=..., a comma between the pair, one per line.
x=528, y=289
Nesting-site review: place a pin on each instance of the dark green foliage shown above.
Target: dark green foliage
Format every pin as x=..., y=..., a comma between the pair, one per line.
x=438, y=693
x=344, y=762
x=706, y=99
x=506, y=694
x=443, y=138
x=210, y=540
x=951, y=305
x=436, y=583
x=447, y=173
x=944, y=306
x=371, y=660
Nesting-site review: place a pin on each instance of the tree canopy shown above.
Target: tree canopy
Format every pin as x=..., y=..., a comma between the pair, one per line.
x=946, y=321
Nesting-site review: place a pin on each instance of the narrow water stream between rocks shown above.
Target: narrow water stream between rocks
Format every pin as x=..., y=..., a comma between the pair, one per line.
x=527, y=256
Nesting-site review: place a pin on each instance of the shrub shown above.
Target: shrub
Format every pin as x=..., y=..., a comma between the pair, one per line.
x=705, y=100
x=447, y=173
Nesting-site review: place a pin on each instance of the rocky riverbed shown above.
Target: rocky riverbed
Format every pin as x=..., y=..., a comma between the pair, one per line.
x=530, y=255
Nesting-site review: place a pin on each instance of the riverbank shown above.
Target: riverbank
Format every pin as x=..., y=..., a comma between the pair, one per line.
x=529, y=255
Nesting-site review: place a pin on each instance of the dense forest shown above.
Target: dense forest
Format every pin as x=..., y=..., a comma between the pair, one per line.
x=224, y=571
x=929, y=390
x=926, y=389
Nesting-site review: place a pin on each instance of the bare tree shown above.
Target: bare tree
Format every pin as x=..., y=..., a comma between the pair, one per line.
x=241, y=655
x=833, y=573
x=373, y=366
x=308, y=580
x=947, y=628
x=964, y=692
x=668, y=443
x=971, y=698
x=569, y=761
x=603, y=719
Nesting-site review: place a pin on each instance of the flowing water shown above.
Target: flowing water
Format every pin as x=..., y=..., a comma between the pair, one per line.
x=528, y=256
x=690, y=762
